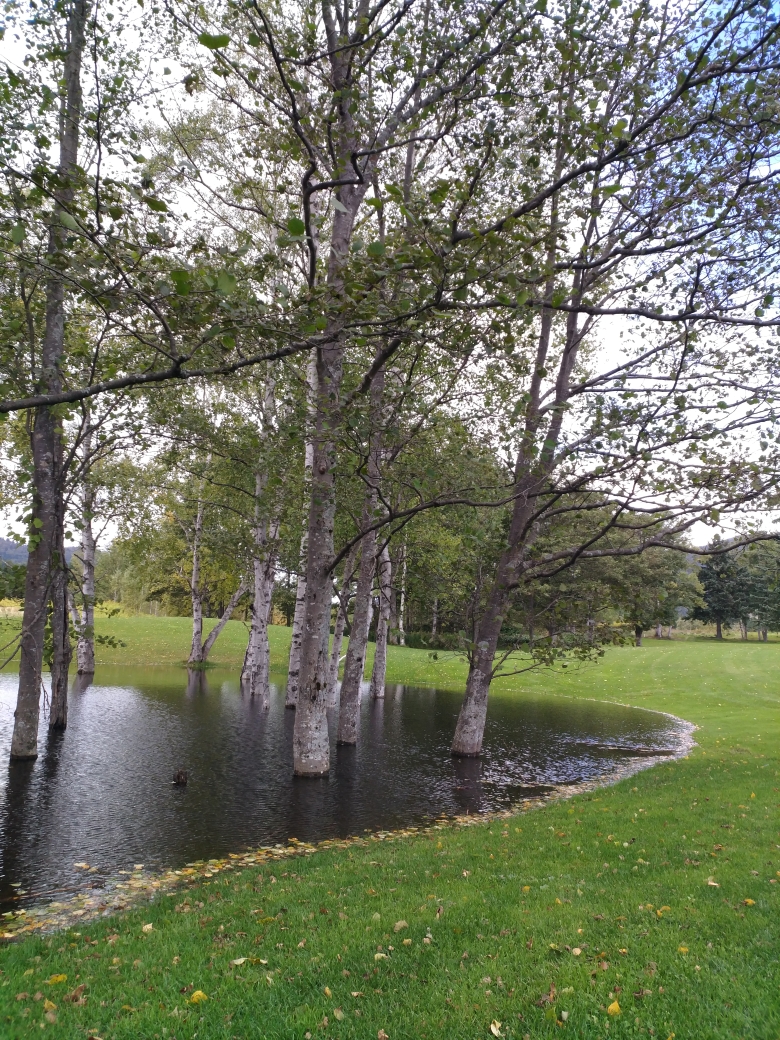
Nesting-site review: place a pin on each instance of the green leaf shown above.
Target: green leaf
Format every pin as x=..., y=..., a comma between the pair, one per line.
x=181, y=279
x=214, y=42
x=376, y=249
x=18, y=233
x=253, y=39
x=226, y=283
x=68, y=221
x=156, y=204
x=296, y=226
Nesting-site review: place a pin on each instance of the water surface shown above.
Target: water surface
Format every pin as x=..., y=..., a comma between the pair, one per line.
x=102, y=792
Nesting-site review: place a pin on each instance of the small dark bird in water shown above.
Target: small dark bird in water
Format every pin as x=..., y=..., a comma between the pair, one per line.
x=180, y=777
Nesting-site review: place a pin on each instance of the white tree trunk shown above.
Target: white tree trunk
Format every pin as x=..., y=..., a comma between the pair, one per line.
x=299, y=617
x=385, y=575
x=196, y=648
x=85, y=628
x=257, y=665
x=402, y=597
x=345, y=596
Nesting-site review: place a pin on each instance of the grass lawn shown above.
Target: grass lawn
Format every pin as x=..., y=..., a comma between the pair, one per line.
x=645, y=909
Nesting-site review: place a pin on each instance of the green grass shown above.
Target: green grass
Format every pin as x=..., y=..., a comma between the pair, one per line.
x=506, y=901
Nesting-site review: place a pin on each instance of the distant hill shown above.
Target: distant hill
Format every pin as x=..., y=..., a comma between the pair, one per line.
x=11, y=552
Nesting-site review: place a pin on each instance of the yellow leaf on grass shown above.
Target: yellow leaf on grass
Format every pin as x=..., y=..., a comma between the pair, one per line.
x=380, y=956
x=56, y=979
x=495, y=1028
x=147, y=928
x=198, y=997
x=49, y=1005
x=327, y=991
x=614, y=1008
x=338, y=1014
x=526, y=888
x=576, y=951
x=682, y=949
x=238, y=962
x=749, y=902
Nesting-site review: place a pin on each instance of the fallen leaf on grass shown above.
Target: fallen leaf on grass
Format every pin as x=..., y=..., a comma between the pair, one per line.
x=50, y=1017
x=147, y=928
x=399, y=926
x=712, y=882
x=357, y=993
x=327, y=992
x=49, y=1005
x=22, y=996
x=749, y=902
x=495, y=1028
x=682, y=949
x=76, y=996
x=238, y=962
x=576, y=951
x=55, y=980
x=198, y=997
x=614, y=1008
x=338, y=1014
x=382, y=1035
x=380, y=956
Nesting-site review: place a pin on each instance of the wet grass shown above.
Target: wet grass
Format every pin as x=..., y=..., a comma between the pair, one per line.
x=621, y=875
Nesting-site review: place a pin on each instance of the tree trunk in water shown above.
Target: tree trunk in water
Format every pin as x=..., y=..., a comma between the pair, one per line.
x=214, y=634
x=196, y=649
x=85, y=627
x=47, y=512
x=719, y=629
x=471, y=721
x=62, y=650
x=385, y=569
x=341, y=622
x=255, y=673
x=349, y=708
x=299, y=617
x=311, y=745
x=638, y=634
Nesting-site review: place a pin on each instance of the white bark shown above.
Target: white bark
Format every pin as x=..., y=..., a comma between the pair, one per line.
x=402, y=597
x=299, y=617
x=385, y=575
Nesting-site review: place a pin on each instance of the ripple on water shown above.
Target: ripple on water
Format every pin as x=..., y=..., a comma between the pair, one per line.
x=101, y=793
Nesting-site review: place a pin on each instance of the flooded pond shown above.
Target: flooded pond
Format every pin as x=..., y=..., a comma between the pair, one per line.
x=102, y=792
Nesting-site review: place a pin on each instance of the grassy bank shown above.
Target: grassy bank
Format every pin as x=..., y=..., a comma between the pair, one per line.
x=646, y=909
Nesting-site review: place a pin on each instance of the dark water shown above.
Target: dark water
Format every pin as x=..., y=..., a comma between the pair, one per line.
x=102, y=791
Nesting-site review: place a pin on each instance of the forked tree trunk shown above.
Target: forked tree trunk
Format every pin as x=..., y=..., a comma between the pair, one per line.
x=208, y=644
x=47, y=517
x=379, y=671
